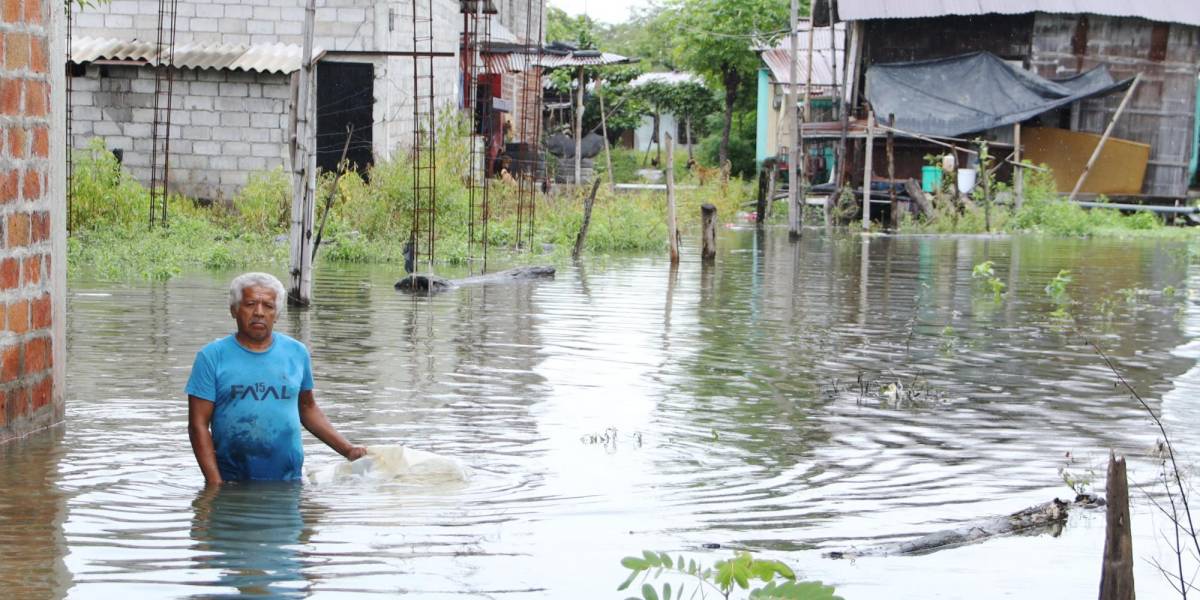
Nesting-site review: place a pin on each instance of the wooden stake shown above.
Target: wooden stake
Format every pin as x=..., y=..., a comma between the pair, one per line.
x=793, y=125
x=303, y=173
x=1104, y=138
x=1116, y=575
x=587, y=220
x=708, y=244
x=808, y=77
x=672, y=232
x=604, y=132
x=891, y=159
x=579, y=129
x=869, y=156
x=1018, y=171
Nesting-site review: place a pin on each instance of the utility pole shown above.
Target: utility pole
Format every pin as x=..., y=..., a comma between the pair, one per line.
x=303, y=172
x=794, y=123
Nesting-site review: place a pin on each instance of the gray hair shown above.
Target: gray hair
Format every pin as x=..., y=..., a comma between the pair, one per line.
x=245, y=280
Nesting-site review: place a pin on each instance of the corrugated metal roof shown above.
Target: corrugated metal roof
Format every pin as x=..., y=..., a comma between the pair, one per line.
x=264, y=58
x=778, y=58
x=582, y=58
x=668, y=77
x=1167, y=11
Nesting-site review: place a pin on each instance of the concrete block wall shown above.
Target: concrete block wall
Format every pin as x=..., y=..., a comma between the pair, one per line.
x=225, y=125
x=340, y=24
x=30, y=185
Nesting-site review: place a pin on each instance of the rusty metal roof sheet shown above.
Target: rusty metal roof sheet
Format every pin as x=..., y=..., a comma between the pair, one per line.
x=1186, y=12
x=823, y=72
x=264, y=58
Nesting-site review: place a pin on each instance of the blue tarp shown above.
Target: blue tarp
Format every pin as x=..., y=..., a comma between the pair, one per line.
x=973, y=92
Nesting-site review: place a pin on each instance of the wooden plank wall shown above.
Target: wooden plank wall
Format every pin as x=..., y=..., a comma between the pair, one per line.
x=1162, y=112
x=896, y=40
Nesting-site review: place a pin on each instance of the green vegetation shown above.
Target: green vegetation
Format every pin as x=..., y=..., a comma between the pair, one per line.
x=1043, y=211
x=986, y=272
x=779, y=581
x=369, y=220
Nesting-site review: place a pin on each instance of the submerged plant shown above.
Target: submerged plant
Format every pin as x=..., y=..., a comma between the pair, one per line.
x=741, y=571
x=1057, y=288
x=987, y=273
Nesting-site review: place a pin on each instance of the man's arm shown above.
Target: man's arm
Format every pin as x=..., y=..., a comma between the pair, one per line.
x=199, y=417
x=315, y=421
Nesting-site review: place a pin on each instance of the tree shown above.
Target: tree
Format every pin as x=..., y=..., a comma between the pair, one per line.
x=648, y=36
x=657, y=95
x=691, y=101
x=715, y=38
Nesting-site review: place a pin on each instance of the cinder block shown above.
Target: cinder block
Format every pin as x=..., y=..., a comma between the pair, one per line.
x=223, y=104
x=137, y=130
x=235, y=119
x=252, y=163
x=197, y=133
x=267, y=13
x=123, y=7
x=269, y=150
x=239, y=39
x=205, y=117
x=235, y=148
x=239, y=11
x=207, y=148
x=204, y=89
x=228, y=134
x=236, y=178
x=281, y=91
x=224, y=163
x=193, y=161
x=264, y=120
x=289, y=28
x=106, y=128
x=259, y=26
x=252, y=134
x=234, y=90
x=204, y=24
x=118, y=21
x=144, y=86
x=197, y=103
x=241, y=76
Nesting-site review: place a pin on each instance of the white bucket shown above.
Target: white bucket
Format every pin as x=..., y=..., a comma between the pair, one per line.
x=966, y=180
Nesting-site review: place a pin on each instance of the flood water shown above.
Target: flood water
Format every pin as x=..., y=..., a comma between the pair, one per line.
x=619, y=408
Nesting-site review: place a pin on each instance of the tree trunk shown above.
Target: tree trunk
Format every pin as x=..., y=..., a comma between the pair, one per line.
x=732, y=80
x=658, y=136
x=688, y=123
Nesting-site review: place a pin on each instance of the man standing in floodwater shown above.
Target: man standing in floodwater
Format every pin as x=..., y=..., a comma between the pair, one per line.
x=250, y=392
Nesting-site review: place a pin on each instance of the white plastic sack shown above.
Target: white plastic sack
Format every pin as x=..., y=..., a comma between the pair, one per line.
x=394, y=463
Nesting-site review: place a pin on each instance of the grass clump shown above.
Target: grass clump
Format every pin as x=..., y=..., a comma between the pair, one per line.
x=369, y=218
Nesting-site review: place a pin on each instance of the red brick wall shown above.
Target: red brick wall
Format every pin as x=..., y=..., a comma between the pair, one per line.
x=26, y=307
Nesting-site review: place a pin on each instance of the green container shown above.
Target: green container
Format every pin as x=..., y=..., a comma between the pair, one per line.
x=931, y=178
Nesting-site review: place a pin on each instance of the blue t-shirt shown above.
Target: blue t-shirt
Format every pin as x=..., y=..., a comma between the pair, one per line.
x=256, y=420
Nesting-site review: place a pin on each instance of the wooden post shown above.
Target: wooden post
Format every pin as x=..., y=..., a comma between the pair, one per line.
x=793, y=124
x=891, y=159
x=1104, y=138
x=1116, y=575
x=1018, y=171
x=604, y=132
x=672, y=232
x=579, y=129
x=869, y=152
x=708, y=244
x=303, y=167
x=587, y=220
x=760, y=208
x=808, y=77
x=986, y=175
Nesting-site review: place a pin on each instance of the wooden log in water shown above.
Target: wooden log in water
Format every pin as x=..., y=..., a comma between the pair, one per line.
x=1043, y=516
x=430, y=284
x=1116, y=575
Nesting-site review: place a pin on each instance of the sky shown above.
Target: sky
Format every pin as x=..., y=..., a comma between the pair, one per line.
x=604, y=11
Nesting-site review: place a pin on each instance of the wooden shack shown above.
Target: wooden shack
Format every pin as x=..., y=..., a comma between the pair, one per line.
x=1160, y=39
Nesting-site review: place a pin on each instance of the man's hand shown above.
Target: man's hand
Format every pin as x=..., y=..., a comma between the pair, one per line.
x=354, y=453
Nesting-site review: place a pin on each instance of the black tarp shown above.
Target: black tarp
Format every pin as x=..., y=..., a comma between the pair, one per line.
x=973, y=92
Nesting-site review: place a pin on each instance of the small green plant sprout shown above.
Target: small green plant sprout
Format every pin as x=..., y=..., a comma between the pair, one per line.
x=1057, y=288
x=1169, y=291
x=1079, y=482
x=742, y=571
x=986, y=271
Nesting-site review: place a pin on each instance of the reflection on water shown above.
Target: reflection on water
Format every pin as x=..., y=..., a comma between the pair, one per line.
x=628, y=405
x=253, y=535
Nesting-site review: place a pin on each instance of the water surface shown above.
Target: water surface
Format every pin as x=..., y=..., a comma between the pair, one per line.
x=623, y=407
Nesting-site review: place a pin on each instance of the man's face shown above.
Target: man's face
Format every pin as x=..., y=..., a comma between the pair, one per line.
x=255, y=314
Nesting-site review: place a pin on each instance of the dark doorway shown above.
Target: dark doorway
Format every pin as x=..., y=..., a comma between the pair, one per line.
x=345, y=99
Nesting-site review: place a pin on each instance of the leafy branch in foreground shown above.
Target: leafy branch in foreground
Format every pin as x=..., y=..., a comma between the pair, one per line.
x=779, y=580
